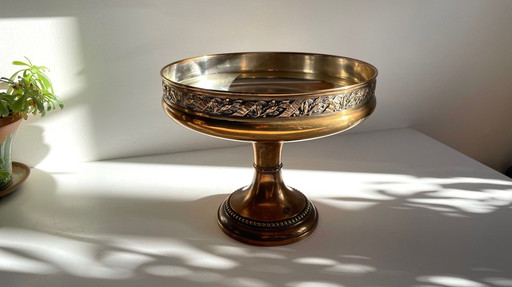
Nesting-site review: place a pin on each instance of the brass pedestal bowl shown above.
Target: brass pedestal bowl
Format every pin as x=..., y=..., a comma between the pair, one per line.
x=268, y=98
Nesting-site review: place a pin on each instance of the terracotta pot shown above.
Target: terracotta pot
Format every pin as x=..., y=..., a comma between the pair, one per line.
x=8, y=127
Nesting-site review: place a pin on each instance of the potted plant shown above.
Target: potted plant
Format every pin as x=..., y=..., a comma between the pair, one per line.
x=28, y=91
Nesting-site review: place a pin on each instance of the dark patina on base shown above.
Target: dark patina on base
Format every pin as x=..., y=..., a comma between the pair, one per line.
x=267, y=233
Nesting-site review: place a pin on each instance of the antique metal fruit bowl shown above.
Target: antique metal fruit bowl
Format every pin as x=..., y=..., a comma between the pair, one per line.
x=268, y=98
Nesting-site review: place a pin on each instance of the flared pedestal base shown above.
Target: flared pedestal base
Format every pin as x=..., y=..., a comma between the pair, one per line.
x=252, y=230
x=267, y=212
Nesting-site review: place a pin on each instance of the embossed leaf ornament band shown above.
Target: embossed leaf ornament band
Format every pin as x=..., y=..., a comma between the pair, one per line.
x=240, y=108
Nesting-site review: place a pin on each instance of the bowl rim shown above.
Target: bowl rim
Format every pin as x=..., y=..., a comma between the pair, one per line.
x=230, y=94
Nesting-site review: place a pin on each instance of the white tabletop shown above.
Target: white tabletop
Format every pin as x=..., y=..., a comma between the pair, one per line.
x=396, y=208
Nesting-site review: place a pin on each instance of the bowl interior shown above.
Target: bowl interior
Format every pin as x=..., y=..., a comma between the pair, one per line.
x=269, y=73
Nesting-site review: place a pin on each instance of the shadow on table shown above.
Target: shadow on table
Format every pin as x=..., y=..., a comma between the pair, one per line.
x=66, y=239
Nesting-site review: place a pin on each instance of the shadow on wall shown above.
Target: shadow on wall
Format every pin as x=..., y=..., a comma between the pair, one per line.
x=425, y=238
x=51, y=39
x=112, y=88
x=30, y=147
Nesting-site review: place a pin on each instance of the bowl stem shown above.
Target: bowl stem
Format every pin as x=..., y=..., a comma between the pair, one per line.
x=267, y=212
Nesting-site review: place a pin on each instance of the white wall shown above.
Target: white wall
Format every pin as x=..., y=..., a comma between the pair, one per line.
x=445, y=66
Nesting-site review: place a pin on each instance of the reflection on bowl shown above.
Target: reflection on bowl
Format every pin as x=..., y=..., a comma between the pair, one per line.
x=261, y=96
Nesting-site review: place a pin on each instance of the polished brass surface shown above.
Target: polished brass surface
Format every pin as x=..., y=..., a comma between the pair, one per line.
x=267, y=212
x=268, y=98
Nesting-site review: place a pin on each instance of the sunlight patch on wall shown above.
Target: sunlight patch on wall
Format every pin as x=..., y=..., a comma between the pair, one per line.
x=55, y=42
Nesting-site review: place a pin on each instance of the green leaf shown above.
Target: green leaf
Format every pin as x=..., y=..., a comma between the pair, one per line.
x=14, y=76
x=30, y=62
x=46, y=84
x=30, y=91
x=35, y=70
x=19, y=105
x=40, y=106
x=4, y=111
x=19, y=63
